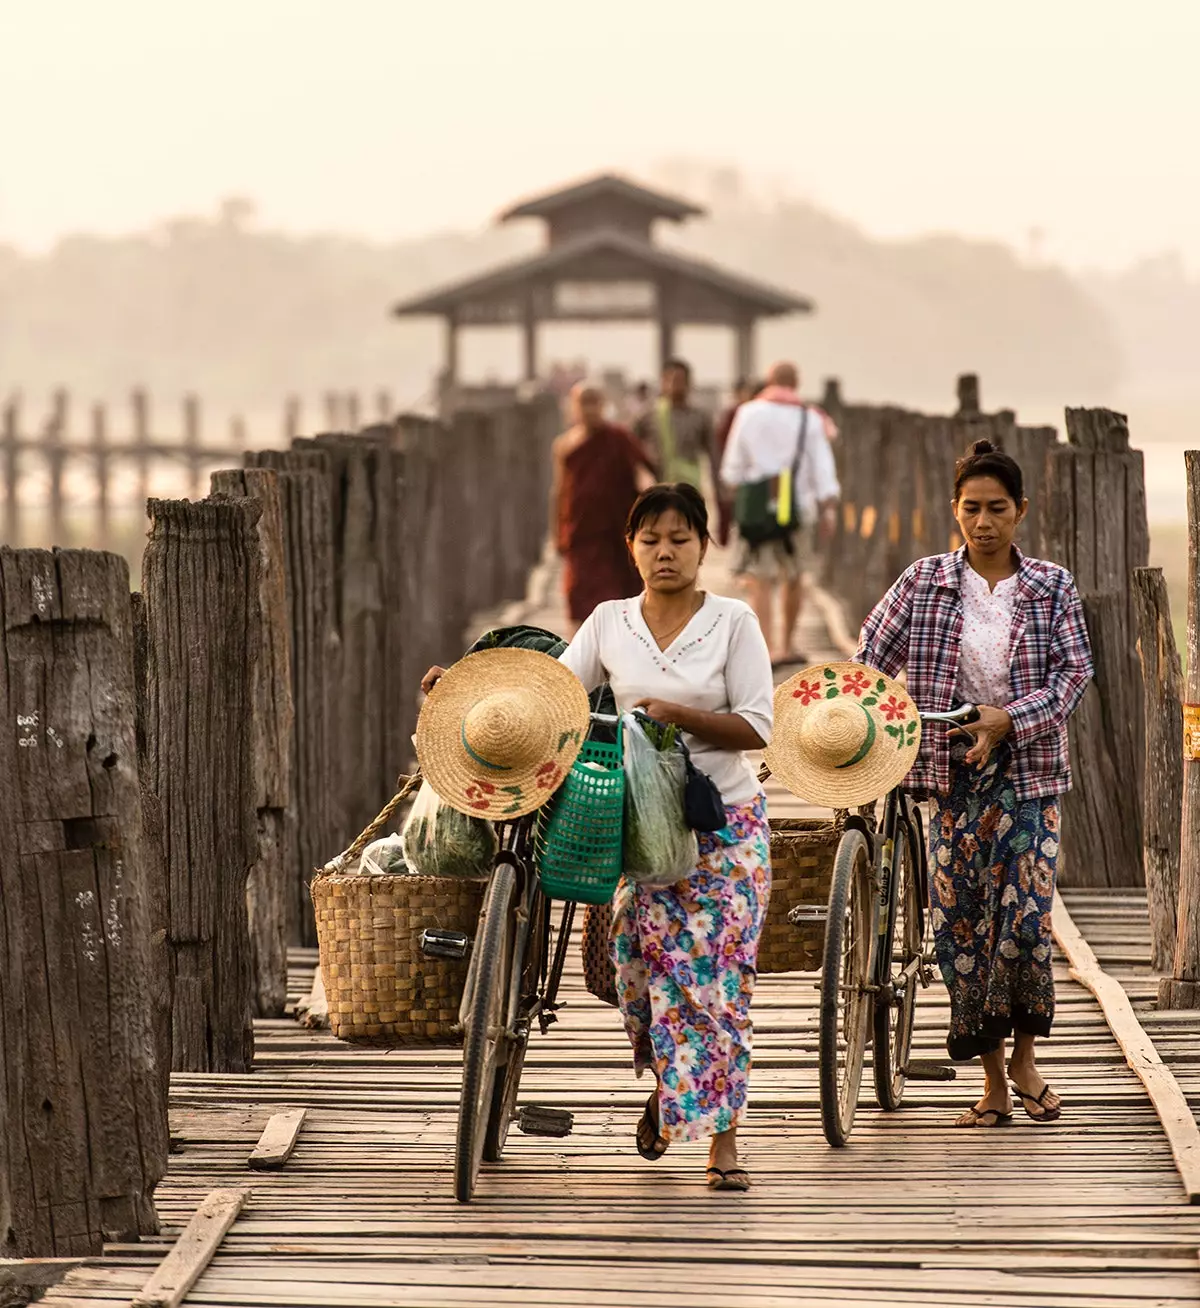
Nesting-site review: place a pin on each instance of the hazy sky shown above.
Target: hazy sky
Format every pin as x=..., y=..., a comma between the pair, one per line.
x=394, y=117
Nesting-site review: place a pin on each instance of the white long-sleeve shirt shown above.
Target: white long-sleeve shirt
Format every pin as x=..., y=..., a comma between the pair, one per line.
x=762, y=444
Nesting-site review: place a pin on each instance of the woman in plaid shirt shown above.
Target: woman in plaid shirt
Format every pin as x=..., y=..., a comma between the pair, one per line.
x=988, y=626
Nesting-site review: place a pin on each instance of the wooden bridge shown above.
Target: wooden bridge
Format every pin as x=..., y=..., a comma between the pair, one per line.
x=320, y=1174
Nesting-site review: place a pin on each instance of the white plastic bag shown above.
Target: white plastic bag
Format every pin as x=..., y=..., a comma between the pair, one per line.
x=383, y=857
x=439, y=841
x=660, y=848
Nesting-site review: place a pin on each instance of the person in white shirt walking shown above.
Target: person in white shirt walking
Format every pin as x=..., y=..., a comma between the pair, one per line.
x=779, y=464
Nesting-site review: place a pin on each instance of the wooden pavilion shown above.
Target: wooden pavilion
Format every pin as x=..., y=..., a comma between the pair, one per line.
x=601, y=264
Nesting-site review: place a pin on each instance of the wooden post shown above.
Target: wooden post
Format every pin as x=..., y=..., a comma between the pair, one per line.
x=270, y=885
x=831, y=396
x=1162, y=800
x=1182, y=990
x=52, y=443
x=237, y=432
x=968, y=395
x=316, y=661
x=83, y=1109
x=102, y=466
x=141, y=447
x=12, y=473
x=191, y=444
x=201, y=576
x=333, y=410
x=291, y=418
x=384, y=410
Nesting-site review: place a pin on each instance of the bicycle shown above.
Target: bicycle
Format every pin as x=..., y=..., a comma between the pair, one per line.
x=876, y=954
x=512, y=981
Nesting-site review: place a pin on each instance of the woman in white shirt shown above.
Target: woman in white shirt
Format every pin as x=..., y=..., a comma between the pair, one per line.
x=685, y=954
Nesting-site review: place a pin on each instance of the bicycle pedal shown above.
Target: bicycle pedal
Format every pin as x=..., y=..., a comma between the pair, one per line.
x=924, y=1069
x=533, y=1119
x=436, y=943
x=802, y=914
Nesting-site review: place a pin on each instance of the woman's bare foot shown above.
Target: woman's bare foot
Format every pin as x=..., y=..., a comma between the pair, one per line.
x=724, y=1172
x=1038, y=1100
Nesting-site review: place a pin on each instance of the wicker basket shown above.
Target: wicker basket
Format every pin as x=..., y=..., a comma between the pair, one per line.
x=802, y=853
x=380, y=988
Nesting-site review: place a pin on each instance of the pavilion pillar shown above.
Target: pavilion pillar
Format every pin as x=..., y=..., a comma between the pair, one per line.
x=451, y=349
x=743, y=350
x=530, y=339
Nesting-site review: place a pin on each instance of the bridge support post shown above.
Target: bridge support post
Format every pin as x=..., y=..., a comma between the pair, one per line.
x=1182, y=989
x=83, y=1097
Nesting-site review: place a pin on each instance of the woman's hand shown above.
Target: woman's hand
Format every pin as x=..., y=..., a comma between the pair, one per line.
x=661, y=710
x=431, y=678
x=991, y=728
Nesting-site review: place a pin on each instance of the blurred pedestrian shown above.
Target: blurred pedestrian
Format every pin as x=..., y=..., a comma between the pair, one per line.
x=597, y=466
x=677, y=435
x=779, y=464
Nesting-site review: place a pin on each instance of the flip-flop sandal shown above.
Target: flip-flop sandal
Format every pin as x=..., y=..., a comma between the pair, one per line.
x=977, y=1120
x=1047, y=1114
x=647, y=1130
x=736, y=1178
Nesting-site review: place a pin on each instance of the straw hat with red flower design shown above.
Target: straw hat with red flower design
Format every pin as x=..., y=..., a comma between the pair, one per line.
x=844, y=735
x=499, y=731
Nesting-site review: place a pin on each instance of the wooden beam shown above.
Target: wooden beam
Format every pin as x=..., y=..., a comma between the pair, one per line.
x=193, y=1251
x=277, y=1141
x=1170, y=1103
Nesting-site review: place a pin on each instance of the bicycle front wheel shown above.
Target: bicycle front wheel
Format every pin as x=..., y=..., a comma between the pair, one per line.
x=483, y=1029
x=896, y=1006
x=845, y=981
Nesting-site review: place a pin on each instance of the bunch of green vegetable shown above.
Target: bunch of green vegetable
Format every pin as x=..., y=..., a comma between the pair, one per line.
x=439, y=841
x=660, y=848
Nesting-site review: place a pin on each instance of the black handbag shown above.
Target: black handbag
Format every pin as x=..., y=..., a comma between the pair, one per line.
x=703, y=807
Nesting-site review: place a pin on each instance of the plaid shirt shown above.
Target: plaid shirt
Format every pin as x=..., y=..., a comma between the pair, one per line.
x=918, y=626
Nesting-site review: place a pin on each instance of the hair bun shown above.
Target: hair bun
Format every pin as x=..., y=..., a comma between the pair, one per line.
x=983, y=447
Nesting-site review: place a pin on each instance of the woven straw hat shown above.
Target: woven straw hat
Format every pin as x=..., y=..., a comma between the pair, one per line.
x=844, y=735
x=499, y=731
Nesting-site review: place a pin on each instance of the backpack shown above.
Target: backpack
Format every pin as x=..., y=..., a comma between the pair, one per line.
x=767, y=510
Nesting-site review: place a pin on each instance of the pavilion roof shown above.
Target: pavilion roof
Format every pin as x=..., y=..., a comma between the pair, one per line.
x=761, y=300
x=656, y=203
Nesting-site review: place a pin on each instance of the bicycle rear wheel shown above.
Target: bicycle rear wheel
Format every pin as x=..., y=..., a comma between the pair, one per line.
x=896, y=1005
x=845, y=977
x=483, y=1028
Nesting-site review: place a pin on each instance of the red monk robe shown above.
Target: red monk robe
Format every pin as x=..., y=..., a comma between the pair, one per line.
x=597, y=485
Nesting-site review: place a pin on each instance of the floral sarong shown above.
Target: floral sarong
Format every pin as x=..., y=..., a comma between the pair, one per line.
x=993, y=861
x=685, y=962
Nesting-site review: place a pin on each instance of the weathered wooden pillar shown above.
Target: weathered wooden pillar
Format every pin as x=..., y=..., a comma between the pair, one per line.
x=451, y=369
x=308, y=524
x=271, y=884
x=201, y=578
x=1162, y=800
x=1182, y=989
x=83, y=1110
x=968, y=395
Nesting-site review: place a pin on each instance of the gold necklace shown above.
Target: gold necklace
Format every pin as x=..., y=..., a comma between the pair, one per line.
x=666, y=635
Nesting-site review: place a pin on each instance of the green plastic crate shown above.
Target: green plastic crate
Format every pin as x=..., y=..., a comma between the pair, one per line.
x=580, y=834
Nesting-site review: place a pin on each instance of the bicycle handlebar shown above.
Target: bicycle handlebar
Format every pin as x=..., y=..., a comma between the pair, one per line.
x=959, y=717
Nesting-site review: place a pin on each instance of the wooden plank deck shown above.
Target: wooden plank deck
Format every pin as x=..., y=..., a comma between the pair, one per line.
x=1084, y=1214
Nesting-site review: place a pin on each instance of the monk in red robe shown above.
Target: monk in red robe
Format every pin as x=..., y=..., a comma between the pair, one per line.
x=599, y=469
